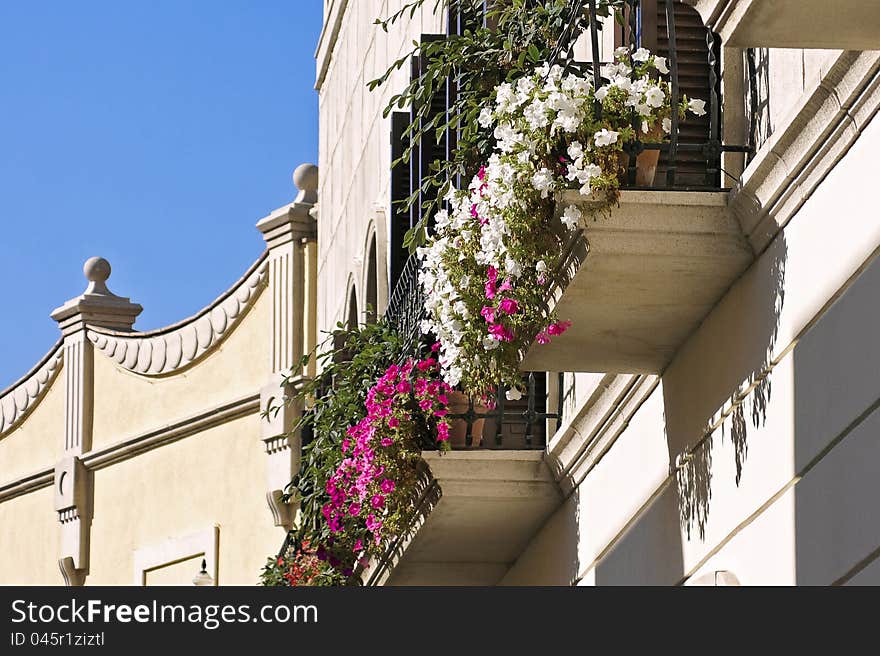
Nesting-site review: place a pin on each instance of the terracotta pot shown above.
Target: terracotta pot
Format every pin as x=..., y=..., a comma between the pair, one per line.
x=458, y=405
x=646, y=162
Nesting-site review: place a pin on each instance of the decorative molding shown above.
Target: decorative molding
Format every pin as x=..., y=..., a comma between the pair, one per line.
x=17, y=400
x=74, y=493
x=832, y=114
x=136, y=445
x=168, y=350
x=27, y=484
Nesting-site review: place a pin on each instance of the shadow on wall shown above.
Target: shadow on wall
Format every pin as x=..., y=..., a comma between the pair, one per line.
x=727, y=360
x=759, y=96
x=837, y=450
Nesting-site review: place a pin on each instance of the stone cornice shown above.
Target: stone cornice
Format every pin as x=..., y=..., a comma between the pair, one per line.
x=17, y=400
x=327, y=40
x=586, y=436
x=833, y=112
x=167, y=350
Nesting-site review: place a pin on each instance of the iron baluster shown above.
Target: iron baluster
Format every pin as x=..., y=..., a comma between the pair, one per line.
x=673, y=101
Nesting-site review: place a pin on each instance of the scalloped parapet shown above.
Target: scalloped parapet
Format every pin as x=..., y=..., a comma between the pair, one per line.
x=166, y=350
x=22, y=396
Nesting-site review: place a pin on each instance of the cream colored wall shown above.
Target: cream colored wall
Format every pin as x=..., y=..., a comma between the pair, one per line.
x=804, y=510
x=29, y=540
x=36, y=442
x=127, y=404
x=214, y=477
x=354, y=149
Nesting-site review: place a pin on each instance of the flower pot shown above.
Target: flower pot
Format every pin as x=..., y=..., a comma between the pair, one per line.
x=458, y=405
x=646, y=161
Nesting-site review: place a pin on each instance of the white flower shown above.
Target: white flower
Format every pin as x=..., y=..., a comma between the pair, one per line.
x=490, y=343
x=541, y=266
x=513, y=394
x=641, y=55
x=661, y=65
x=601, y=92
x=645, y=127
x=575, y=150
x=512, y=267
x=667, y=125
x=605, y=137
x=485, y=119
x=570, y=217
x=542, y=180
x=654, y=96
x=464, y=282
x=622, y=51
x=697, y=106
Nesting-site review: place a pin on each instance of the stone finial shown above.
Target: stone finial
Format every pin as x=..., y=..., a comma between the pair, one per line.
x=97, y=270
x=305, y=177
x=97, y=305
x=295, y=220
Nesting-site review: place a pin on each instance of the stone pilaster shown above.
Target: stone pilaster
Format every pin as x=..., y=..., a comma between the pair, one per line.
x=74, y=483
x=290, y=233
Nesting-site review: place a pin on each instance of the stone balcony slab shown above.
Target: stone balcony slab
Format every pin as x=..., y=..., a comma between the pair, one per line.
x=636, y=282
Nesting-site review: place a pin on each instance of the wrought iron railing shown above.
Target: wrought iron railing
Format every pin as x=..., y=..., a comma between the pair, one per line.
x=711, y=146
x=504, y=423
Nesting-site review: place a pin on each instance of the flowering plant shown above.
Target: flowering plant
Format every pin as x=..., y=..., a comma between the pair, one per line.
x=485, y=269
x=362, y=469
x=370, y=491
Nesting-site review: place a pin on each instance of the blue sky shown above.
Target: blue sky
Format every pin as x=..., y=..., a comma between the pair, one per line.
x=154, y=134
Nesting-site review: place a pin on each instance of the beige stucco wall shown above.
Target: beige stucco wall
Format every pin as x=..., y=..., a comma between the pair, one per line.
x=36, y=441
x=354, y=148
x=804, y=509
x=29, y=540
x=126, y=403
x=214, y=477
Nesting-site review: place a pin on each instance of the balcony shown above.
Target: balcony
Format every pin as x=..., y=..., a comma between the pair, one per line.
x=636, y=283
x=844, y=24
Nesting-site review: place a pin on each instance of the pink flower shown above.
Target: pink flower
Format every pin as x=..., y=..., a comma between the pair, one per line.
x=387, y=486
x=481, y=174
x=354, y=509
x=424, y=365
x=393, y=422
x=378, y=501
x=488, y=313
x=358, y=546
x=386, y=441
x=435, y=347
x=373, y=524
x=505, y=286
x=489, y=290
x=509, y=306
x=500, y=332
x=558, y=328
x=541, y=280
x=542, y=338
x=492, y=273
x=442, y=431
x=403, y=387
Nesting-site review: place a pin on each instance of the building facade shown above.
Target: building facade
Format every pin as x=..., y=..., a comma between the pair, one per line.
x=710, y=419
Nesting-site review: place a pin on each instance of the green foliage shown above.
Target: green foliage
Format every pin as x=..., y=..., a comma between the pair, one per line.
x=350, y=361
x=515, y=36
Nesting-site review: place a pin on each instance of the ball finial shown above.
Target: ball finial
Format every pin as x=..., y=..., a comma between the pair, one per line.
x=96, y=269
x=305, y=177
